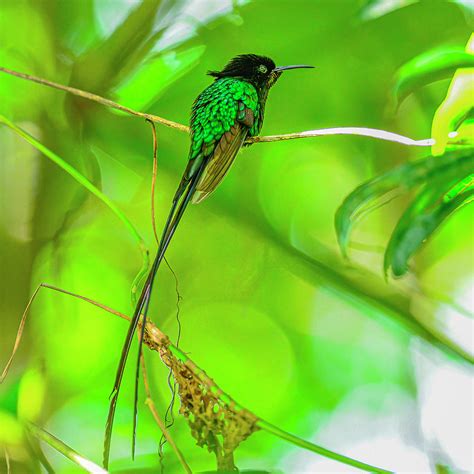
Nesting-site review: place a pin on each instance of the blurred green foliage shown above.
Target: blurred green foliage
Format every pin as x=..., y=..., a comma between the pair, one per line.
x=270, y=309
x=445, y=186
x=455, y=113
x=447, y=182
x=430, y=67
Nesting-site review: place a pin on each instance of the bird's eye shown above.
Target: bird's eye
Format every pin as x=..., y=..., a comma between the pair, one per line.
x=262, y=69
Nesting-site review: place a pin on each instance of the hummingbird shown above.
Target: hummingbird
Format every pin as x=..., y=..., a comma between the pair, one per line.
x=223, y=116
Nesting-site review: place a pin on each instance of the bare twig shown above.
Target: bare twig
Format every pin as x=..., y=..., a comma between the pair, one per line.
x=178, y=296
x=153, y=180
x=19, y=335
x=157, y=341
x=360, y=131
x=149, y=401
x=159, y=421
x=96, y=98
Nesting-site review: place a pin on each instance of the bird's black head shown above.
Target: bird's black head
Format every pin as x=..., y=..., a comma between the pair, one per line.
x=258, y=70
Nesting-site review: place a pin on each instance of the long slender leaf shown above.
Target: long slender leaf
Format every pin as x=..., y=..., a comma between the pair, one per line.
x=64, y=449
x=150, y=80
x=454, y=165
x=81, y=179
x=426, y=213
x=429, y=67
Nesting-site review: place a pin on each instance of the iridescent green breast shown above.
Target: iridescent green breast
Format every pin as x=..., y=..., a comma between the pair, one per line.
x=217, y=108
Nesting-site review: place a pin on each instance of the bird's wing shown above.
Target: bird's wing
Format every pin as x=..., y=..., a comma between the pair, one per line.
x=224, y=154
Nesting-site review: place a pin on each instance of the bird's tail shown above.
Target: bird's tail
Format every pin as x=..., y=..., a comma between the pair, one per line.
x=181, y=199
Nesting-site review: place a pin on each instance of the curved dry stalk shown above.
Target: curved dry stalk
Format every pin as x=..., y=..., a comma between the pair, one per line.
x=178, y=295
x=153, y=180
x=21, y=326
x=360, y=131
x=311, y=133
x=96, y=98
x=19, y=335
x=157, y=341
x=149, y=401
x=159, y=421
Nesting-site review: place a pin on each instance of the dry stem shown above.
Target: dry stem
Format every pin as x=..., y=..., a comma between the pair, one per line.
x=159, y=421
x=361, y=131
x=149, y=402
x=96, y=98
x=157, y=341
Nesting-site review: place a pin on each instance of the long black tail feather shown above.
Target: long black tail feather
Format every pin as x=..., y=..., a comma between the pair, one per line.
x=180, y=201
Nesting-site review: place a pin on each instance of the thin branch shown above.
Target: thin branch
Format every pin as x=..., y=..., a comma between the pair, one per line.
x=64, y=449
x=149, y=401
x=19, y=335
x=166, y=425
x=151, y=406
x=157, y=341
x=96, y=98
x=360, y=131
x=153, y=180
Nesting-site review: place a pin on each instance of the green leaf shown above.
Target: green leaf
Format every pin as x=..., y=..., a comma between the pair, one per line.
x=455, y=113
x=429, y=67
x=155, y=75
x=31, y=395
x=11, y=431
x=460, y=187
x=426, y=213
x=64, y=449
x=77, y=35
x=103, y=66
x=22, y=52
x=451, y=167
x=81, y=179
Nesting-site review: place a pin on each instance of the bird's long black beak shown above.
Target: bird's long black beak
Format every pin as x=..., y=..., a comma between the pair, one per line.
x=297, y=66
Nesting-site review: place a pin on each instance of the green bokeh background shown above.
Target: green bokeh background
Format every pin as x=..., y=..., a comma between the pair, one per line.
x=269, y=309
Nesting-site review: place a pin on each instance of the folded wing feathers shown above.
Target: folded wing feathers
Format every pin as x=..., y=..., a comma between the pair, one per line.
x=223, y=156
